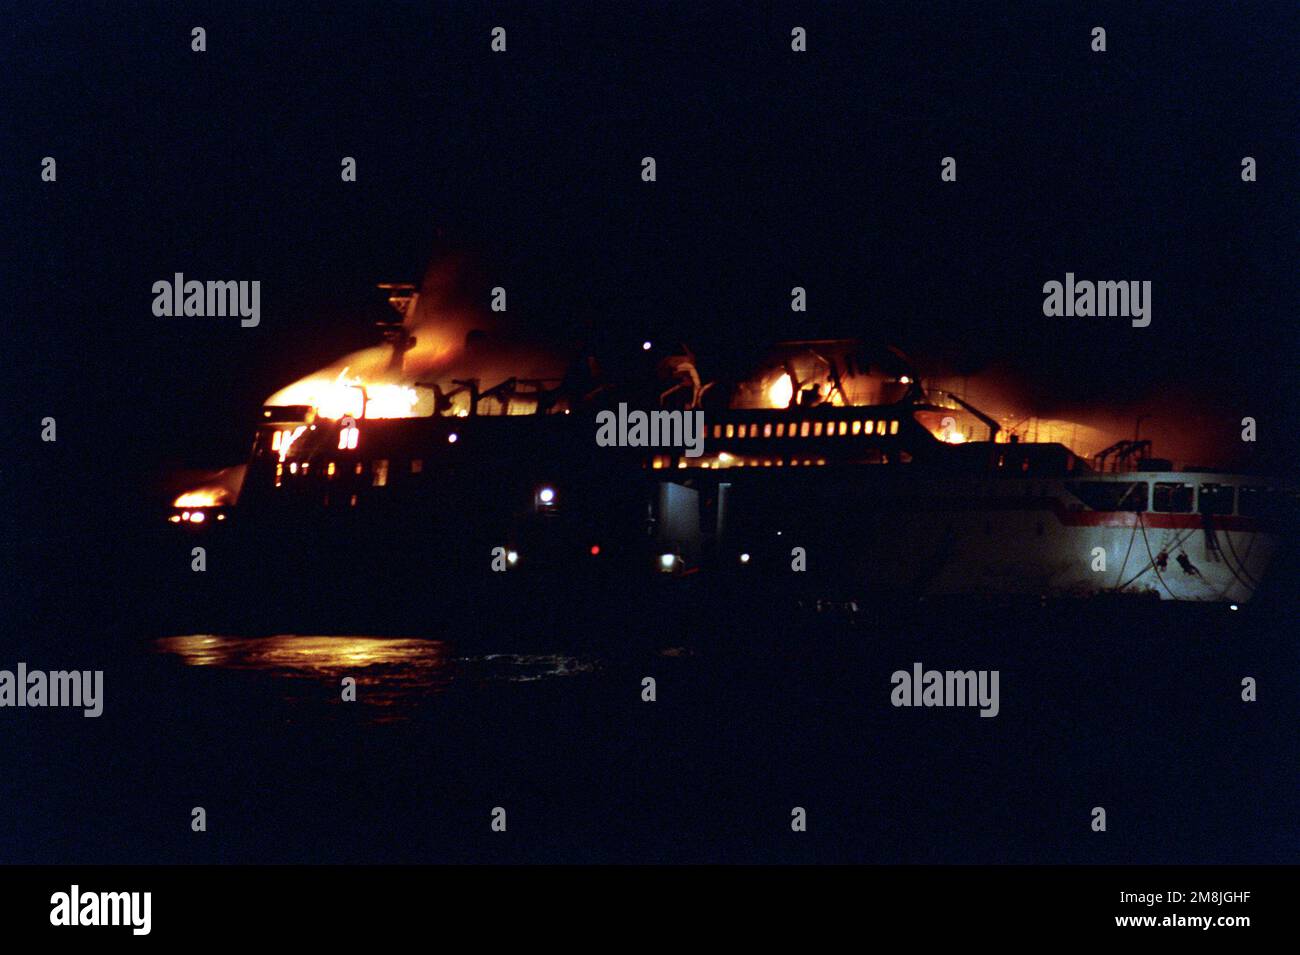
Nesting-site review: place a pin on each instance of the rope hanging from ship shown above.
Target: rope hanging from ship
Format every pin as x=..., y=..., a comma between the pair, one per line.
x=1120, y=576
x=1212, y=534
x=1139, y=524
x=1241, y=562
x=1153, y=563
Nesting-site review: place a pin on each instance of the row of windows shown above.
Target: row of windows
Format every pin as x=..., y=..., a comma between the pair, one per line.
x=725, y=460
x=378, y=470
x=283, y=439
x=1173, y=497
x=805, y=429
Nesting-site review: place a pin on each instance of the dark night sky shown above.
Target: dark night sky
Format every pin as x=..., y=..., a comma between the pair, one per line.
x=775, y=169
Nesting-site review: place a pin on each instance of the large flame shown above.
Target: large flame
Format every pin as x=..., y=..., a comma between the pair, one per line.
x=215, y=489
x=204, y=497
x=445, y=343
x=348, y=395
x=780, y=391
x=838, y=373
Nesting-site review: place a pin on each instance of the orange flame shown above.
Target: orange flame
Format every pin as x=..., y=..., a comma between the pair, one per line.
x=204, y=497
x=351, y=396
x=780, y=391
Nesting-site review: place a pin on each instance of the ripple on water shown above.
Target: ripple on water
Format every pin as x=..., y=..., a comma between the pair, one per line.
x=394, y=671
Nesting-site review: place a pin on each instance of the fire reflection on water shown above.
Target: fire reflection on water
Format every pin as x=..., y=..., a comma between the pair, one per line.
x=391, y=672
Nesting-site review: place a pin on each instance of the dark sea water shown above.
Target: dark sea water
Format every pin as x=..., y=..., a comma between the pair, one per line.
x=760, y=708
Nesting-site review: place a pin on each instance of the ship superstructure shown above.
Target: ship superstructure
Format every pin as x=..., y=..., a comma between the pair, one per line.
x=828, y=446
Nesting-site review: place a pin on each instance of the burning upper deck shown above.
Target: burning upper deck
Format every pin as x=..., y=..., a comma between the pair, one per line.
x=444, y=355
x=432, y=361
x=838, y=372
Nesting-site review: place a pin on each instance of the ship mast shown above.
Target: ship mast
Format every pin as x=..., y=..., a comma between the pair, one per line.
x=403, y=297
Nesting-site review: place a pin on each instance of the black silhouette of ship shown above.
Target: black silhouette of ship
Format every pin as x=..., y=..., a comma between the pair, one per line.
x=830, y=459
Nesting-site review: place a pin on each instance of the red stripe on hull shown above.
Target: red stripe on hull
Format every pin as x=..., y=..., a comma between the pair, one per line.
x=1220, y=522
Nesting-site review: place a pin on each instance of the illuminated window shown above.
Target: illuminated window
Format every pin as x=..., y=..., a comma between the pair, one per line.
x=868, y=427
x=803, y=429
x=780, y=430
x=893, y=427
x=717, y=430
x=880, y=427
x=293, y=467
x=857, y=427
x=844, y=428
x=359, y=466
x=329, y=469
x=276, y=438
x=731, y=430
x=767, y=430
x=817, y=429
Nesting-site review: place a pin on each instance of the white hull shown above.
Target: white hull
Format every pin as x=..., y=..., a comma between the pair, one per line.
x=953, y=535
x=1026, y=552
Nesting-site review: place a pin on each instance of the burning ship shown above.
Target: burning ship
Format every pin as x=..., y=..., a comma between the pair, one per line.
x=831, y=455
